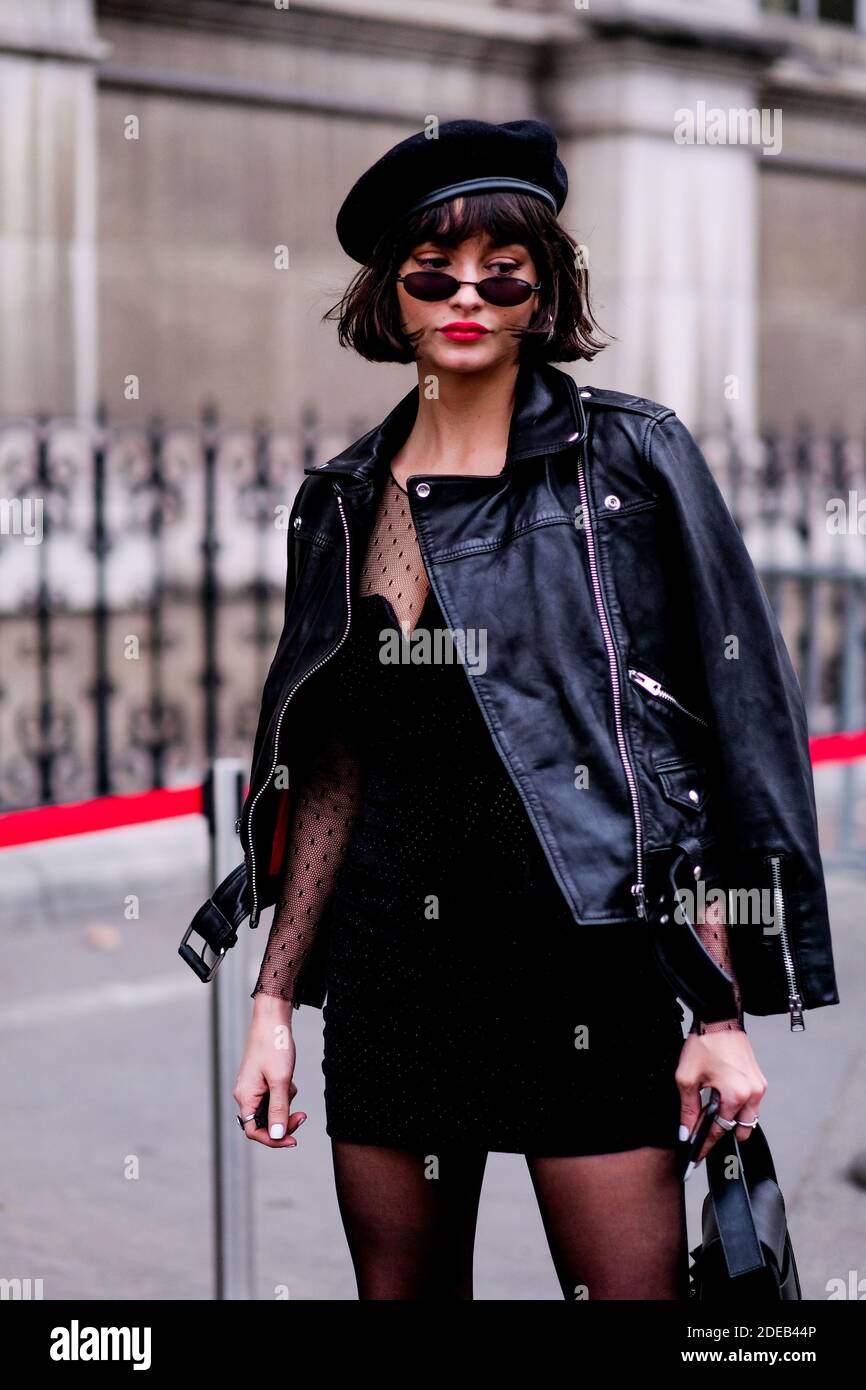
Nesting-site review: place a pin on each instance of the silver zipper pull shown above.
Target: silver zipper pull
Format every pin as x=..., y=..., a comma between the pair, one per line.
x=641, y=678
x=639, y=893
x=238, y=826
x=656, y=688
x=795, y=1008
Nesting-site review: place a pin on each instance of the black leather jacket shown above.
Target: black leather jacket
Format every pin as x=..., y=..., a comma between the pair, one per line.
x=637, y=686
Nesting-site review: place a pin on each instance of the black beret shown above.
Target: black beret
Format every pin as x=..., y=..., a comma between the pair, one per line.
x=466, y=157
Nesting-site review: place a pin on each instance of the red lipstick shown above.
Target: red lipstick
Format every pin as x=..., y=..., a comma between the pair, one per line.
x=464, y=332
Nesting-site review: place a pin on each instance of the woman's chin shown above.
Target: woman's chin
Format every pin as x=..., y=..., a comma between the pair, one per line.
x=463, y=357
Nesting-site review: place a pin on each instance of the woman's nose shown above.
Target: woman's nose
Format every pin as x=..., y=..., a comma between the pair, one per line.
x=467, y=297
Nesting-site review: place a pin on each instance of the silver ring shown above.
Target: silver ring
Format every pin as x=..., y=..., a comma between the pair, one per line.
x=724, y=1123
x=246, y=1121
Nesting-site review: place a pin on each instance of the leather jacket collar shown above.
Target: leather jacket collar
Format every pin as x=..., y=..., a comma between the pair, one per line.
x=548, y=416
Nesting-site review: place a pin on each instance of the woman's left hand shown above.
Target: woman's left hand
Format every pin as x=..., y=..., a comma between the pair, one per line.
x=724, y=1060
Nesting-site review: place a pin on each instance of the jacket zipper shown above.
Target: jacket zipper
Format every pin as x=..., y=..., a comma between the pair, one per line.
x=638, y=889
x=255, y=914
x=795, y=1001
x=648, y=683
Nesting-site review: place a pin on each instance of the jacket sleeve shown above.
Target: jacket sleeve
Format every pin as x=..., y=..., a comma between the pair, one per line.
x=271, y=681
x=290, y=548
x=766, y=787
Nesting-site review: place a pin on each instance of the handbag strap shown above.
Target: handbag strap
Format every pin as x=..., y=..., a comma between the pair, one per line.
x=758, y=1157
x=732, y=1204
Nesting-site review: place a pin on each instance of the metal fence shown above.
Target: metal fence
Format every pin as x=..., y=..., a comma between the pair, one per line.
x=142, y=572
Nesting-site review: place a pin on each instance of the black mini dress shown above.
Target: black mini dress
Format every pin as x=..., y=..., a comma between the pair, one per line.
x=465, y=1004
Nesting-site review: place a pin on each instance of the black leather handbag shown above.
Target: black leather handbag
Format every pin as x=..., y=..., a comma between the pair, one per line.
x=745, y=1254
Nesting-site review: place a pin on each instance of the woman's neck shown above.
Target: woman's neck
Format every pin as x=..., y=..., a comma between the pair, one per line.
x=463, y=429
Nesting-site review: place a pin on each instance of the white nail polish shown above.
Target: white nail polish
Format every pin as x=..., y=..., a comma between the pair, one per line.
x=684, y=1133
x=689, y=1171
x=277, y=1131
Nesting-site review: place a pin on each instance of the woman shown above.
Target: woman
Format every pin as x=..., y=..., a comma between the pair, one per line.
x=415, y=862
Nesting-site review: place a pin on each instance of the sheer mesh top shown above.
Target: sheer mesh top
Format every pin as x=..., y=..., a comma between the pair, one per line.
x=327, y=800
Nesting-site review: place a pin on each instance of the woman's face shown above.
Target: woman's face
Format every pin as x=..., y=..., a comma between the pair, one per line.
x=472, y=260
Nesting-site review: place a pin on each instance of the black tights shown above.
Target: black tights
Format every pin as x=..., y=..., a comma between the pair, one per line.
x=615, y=1223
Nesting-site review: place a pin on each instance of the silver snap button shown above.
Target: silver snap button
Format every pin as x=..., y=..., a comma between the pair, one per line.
x=693, y=795
x=586, y=393
x=612, y=501
x=664, y=917
x=697, y=871
x=297, y=523
x=423, y=489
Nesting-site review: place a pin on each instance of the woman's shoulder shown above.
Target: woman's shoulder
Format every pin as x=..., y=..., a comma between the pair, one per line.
x=601, y=398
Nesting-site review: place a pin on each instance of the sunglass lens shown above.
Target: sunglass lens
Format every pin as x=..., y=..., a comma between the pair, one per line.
x=429, y=284
x=504, y=291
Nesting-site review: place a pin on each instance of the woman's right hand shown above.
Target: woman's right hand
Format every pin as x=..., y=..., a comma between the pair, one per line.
x=268, y=1064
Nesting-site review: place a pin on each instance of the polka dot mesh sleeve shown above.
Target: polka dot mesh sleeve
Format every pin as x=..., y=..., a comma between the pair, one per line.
x=325, y=803
x=327, y=797
x=714, y=936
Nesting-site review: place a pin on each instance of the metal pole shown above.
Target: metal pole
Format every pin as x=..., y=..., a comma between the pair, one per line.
x=852, y=712
x=230, y=1017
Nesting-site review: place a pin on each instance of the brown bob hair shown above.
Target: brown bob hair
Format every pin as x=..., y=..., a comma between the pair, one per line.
x=559, y=331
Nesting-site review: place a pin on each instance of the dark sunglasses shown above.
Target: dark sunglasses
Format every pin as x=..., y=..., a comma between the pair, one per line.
x=432, y=285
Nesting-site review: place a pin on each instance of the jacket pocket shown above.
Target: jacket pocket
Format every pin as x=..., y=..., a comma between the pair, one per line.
x=684, y=782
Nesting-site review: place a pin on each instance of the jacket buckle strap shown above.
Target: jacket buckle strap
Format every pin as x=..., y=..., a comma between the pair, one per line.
x=216, y=922
x=682, y=957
